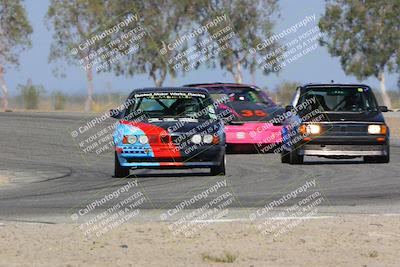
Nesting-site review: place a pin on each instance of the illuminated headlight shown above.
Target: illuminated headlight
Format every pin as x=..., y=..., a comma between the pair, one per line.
x=131, y=139
x=196, y=139
x=313, y=129
x=143, y=139
x=374, y=129
x=208, y=138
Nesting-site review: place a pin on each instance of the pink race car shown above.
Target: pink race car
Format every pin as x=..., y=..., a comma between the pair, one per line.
x=253, y=121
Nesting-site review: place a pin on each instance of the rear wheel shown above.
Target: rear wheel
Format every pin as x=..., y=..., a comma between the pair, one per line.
x=295, y=158
x=220, y=169
x=119, y=171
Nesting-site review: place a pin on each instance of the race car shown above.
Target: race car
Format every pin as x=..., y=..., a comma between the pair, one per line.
x=253, y=114
x=336, y=121
x=168, y=128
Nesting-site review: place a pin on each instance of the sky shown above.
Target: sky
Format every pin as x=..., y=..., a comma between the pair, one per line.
x=316, y=66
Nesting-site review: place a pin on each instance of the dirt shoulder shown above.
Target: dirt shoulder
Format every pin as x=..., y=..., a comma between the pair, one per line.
x=342, y=241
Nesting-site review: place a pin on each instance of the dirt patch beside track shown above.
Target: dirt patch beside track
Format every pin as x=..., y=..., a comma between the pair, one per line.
x=342, y=241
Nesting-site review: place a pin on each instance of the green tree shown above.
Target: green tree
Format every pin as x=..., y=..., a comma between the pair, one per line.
x=162, y=21
x=31, y=94
x=250, y=21
x=74, y=23
x=285, y=92
x=60, y=100
x=15, y=33
x=366, y=37
x=168, y=21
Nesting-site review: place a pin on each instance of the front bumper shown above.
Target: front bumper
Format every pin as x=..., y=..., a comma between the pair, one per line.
x=343, y=150
x=253, y=133
x=345, y=146
x=203, y=157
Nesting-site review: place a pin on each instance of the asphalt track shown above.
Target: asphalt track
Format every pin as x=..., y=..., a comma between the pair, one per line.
x=51, y=179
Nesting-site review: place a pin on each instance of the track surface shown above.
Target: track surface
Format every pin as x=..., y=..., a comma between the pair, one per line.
x=49, y=177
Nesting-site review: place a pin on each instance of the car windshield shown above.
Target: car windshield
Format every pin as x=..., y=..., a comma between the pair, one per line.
x=173, y=105
x=340, y=99
x=240, y=94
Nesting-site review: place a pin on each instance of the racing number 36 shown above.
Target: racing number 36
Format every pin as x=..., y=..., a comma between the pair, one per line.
x=251, y=113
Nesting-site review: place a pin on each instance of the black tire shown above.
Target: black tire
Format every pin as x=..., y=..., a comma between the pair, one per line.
x=378, y=159
x=220, y=169
x=285, y=156
x=295, y=158
x=119, y=171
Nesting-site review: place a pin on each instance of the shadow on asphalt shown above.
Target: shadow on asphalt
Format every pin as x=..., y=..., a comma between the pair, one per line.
x=168, y=175
x=333, y=162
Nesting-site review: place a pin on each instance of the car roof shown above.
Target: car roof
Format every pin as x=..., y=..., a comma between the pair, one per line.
x=171, y=89
x=219, y=85
x=343, y=85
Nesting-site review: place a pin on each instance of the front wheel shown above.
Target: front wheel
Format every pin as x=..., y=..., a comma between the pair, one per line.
x=220, y=169
x=378, y=159
x=119, y=171
x=295, y=158
x=285, y=156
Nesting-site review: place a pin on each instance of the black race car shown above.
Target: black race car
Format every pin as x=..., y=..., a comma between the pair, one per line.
x=339, y=121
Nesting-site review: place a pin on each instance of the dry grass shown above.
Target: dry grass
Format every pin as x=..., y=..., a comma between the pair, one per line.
x=226, y=257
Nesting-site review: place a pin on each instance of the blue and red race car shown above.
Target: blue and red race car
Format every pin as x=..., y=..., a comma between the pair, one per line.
x=254, y=112
x=169, y=128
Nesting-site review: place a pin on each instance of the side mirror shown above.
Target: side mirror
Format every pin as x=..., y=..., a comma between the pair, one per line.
x=289, y=108
x=115, y=113
x=383, y=108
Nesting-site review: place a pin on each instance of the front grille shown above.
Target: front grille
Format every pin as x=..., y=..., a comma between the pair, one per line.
x=344, y=129
x=168, y=159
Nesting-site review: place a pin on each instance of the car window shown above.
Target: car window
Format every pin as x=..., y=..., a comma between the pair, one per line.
x=341, y=99
x=172, y=104
x=241, y=94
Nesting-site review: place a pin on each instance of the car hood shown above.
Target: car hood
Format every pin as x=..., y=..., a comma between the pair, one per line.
x=245, y=111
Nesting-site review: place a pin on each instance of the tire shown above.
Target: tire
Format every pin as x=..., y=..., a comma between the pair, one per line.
x=220, y=169
x=378, y=159
x=295, y=158
x=285, y=156
x=119, y=171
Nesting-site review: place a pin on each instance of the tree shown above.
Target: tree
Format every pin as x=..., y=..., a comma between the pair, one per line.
x=31, y=94
x=171, y=21
x=366, y=37
x=285, y=91
x=161, y=20
x=251, y=23
x=15, y=33
x=75, y=22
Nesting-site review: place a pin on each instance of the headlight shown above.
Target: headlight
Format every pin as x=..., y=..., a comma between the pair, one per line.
x=208, y=138
x=131, y=139
x=240, y=135
x=313, y=129
x=143, y=139
x=376, y=129
x=196, y=139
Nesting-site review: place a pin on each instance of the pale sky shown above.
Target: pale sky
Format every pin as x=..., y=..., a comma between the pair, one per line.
x=317, y=66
